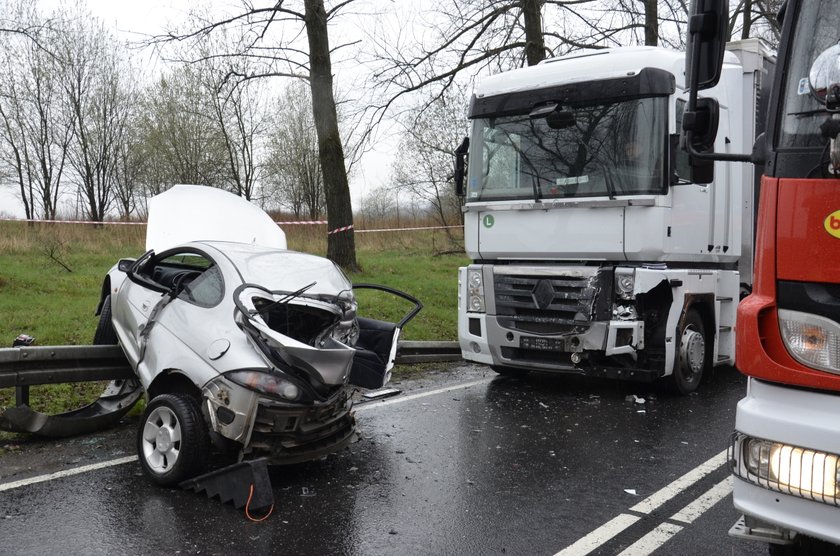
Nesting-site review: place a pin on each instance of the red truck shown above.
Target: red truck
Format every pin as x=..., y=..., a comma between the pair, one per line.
x=785, y=451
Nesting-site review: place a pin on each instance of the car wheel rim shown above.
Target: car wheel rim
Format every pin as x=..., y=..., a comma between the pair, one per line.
x=161, y=439
x=692, y=353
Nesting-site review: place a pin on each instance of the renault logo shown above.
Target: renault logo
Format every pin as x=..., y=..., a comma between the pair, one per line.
x=543, y=294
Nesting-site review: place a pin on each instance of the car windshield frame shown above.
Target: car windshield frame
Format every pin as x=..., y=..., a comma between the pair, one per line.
x=609, y=149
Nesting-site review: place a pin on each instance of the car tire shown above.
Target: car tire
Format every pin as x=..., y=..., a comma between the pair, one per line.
x=511, y=371
x=105, y=335
x=692, y=357
x=172, y=439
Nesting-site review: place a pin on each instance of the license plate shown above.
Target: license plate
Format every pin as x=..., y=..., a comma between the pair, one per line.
x=542, y=344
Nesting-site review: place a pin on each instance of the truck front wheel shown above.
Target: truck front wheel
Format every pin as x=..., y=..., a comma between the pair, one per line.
x=692, y=354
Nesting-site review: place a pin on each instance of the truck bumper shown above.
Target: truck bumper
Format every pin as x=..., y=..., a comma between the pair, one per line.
x=566, y=332
x=790, y=482
x=482, y=340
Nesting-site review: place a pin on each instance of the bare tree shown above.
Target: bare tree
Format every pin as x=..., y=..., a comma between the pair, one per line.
x=128, y=170
x=276, y=42
x=37, y=127
x=179, y=139
x=379, y=204
x=424, y=167
x=473, y=36
x=98, y=87
x=293, y=170
x=756, y=18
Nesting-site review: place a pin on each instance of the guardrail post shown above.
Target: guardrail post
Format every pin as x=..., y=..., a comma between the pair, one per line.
x=22, y=392
x=22, y=395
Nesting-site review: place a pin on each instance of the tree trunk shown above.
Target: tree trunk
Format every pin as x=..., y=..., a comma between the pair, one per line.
x=745, y=32
x=341, y=246
x=534, y=41
x=651, y=23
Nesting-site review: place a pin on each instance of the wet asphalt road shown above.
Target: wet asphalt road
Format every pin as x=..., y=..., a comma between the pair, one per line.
x=502, y=467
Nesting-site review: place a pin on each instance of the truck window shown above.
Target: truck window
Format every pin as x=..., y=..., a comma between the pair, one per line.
x=818, y=27
x=606, y=149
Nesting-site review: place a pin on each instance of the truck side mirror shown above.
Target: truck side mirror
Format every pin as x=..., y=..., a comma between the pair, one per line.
x=461, y=166
x=703, y=123
x=707, y=28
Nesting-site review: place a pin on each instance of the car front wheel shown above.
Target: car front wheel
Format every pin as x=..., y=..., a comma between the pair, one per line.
x=172, y=439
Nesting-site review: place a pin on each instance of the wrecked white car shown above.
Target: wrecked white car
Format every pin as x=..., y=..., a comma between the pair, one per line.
x=239, y=343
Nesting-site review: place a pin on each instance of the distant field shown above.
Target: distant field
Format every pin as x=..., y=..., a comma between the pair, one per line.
x=50, y=277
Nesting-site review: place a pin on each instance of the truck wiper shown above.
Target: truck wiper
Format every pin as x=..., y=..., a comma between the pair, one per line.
x=536, y=188
x=808, y=112
x=609, y=182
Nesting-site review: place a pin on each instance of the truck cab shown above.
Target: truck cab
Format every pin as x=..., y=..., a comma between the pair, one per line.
x=598, y=246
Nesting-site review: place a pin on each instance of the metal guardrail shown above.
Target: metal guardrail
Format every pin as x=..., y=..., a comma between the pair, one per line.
x=29, y=366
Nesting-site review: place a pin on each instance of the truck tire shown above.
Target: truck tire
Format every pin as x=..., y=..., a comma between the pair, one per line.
x=105, y=335
x=172, y=440
x=692, y=357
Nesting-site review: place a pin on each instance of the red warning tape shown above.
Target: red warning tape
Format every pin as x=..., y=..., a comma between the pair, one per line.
x=279, y=223
x=342, y=229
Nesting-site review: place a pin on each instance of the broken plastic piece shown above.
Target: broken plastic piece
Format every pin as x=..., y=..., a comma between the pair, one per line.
x=117, y=399
x=233, y=484
x=381, y=393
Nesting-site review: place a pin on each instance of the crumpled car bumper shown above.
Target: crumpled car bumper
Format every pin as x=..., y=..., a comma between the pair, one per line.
x=281, y=431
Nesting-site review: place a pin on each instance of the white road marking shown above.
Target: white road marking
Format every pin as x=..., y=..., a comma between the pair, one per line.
x=606, y=532
x=129, y=459
x=410, y=397
x=697, y=508
x=652, y=540
x=661, y=496
x=66, y=473
x=600, y=536
x=665, y=531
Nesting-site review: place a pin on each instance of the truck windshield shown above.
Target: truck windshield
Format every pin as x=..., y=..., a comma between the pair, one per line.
x=817, y=28
x=602, y=150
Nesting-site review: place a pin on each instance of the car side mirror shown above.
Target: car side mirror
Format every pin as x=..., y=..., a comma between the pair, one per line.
x=125, y=265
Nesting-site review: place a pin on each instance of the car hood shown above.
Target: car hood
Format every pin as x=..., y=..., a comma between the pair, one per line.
x=188, y=213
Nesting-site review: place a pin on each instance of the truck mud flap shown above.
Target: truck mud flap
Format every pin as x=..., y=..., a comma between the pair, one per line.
x=117, y=399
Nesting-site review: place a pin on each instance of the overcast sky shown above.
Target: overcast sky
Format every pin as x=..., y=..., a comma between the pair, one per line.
x=138, y=18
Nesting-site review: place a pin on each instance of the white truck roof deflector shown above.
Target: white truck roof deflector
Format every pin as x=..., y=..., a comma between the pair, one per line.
x=188, y=213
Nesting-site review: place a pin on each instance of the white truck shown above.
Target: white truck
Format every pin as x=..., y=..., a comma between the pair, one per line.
x=598, y=245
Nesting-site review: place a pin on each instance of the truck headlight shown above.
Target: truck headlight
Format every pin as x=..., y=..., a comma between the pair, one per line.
x=625, y=279
x=475, y=291
x=793, y=470
x=265, y=383
x=811, y=339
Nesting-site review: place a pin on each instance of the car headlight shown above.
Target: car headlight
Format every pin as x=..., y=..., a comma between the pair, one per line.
x=811, y=339
x=793, y=470
x=475, y=291
x=266, y=383
x=625, y=280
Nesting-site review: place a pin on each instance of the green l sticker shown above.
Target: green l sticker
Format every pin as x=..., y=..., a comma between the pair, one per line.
x=488, y=221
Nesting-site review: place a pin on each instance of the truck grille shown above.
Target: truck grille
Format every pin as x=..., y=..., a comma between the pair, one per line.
x=546, y=304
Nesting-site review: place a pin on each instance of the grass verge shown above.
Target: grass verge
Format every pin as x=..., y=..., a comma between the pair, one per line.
x=51, y=274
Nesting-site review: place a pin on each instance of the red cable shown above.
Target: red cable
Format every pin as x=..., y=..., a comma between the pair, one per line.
x=248, y=503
